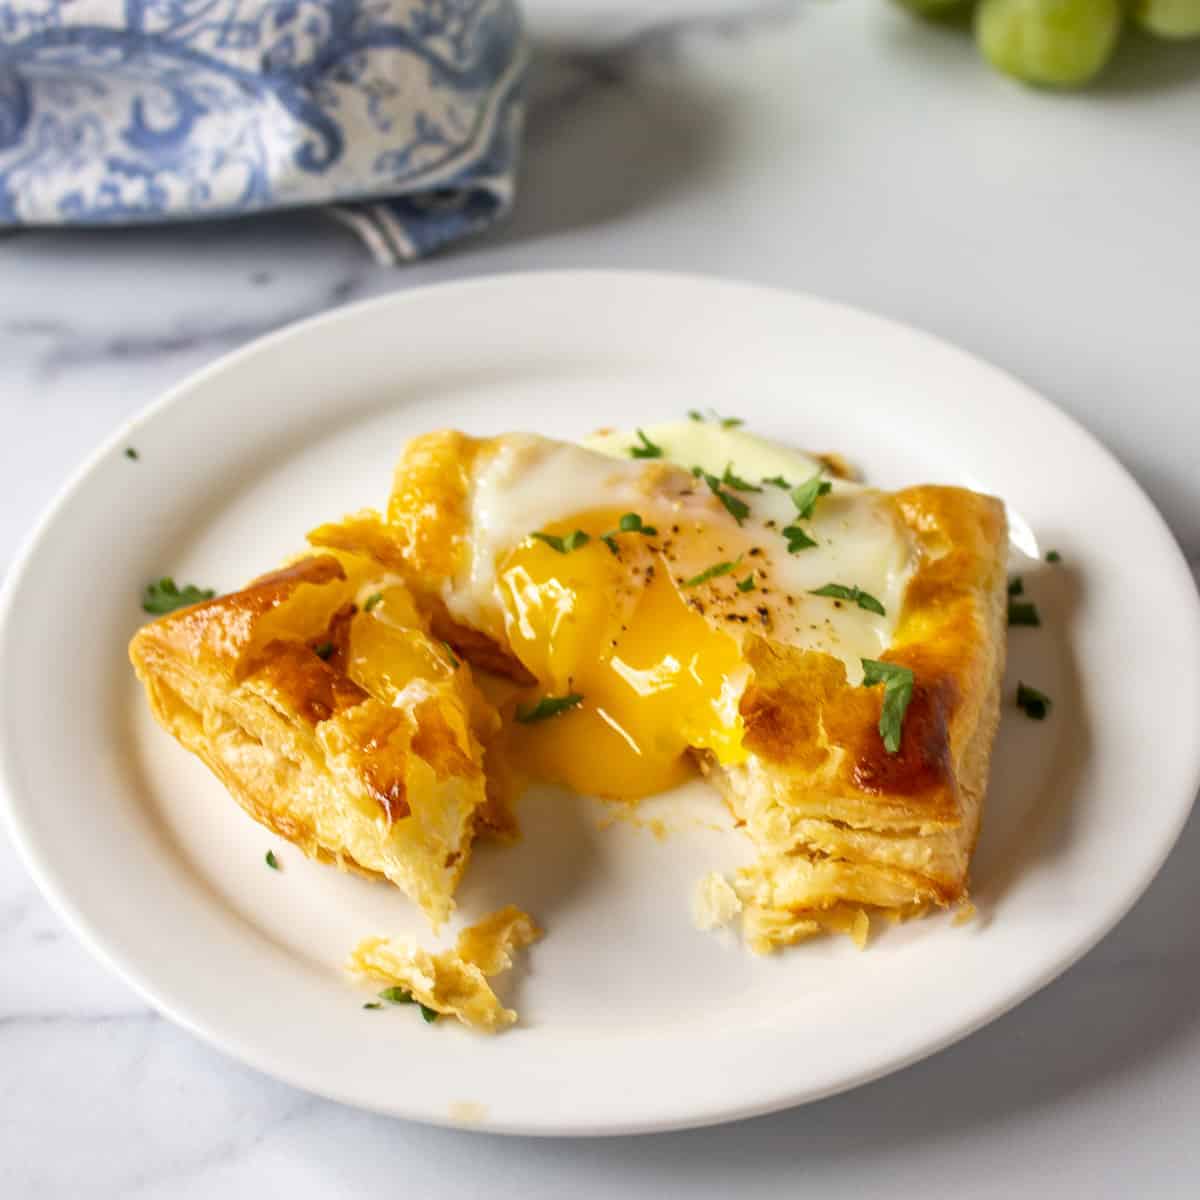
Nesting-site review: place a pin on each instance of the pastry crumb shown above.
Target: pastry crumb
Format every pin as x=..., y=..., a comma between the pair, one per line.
x=715, y=903
x=453, y=982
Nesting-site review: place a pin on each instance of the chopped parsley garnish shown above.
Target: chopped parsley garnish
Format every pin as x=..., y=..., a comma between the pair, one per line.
x=1033, y=703
x=271, y=860
x=164, y=596
x=713, y=572
x=695, y=414
x=805, y=496
x=729, y=479
x=324, y=650
x=131, y=453
x=548, y=706
x=779, y=482
x=564, y=545
x=737, y=508
x=747, y=584
x=797, y=538
x=399, y=995
x=1022, y=613
x=839, y=591
x=1016, y=586
x=451, y=655
x=1053, y=556
x=647, y=449
x=396, y=995
x=632, y=523
x=897, y=692
x=372, y=600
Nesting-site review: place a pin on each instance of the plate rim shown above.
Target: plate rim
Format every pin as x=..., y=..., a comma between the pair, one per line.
x=237, y=1047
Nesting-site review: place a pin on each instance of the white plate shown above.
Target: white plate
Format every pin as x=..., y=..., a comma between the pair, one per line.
x=631, y=1020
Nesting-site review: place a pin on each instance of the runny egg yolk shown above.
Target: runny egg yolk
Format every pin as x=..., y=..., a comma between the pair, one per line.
x=655, y=678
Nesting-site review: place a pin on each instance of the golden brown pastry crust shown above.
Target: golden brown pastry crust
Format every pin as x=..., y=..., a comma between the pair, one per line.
x=839, y=820
x=843, y=827
x=388, y=785
x=842, y=824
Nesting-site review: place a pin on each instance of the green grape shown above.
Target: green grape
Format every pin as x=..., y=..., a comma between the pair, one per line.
x=1056, y=42
x=931, y=8
x=1169, y=18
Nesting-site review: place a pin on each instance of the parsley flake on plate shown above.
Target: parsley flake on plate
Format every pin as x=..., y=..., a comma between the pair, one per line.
x=396, y=995
x=1022, y=613
x=1033, y=703
x=271, y=860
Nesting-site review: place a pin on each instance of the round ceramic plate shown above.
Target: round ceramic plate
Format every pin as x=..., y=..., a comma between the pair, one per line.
x=631, y=1020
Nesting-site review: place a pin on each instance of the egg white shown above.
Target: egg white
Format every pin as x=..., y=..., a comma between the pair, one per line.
x=533, y=481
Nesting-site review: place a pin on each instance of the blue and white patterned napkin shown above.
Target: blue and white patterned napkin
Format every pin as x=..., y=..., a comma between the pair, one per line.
x=402, y=115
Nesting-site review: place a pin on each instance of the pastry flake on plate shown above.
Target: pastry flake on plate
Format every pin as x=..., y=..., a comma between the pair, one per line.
x=453, y=982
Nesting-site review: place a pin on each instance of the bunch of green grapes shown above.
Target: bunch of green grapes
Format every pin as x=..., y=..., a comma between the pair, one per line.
x=1062, y=43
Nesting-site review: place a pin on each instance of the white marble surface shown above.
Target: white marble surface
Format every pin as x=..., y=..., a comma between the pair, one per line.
x=833, y=147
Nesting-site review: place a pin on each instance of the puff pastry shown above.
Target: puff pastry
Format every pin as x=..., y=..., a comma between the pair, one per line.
x=319, y=699
x=844, y=827
x=631, y=621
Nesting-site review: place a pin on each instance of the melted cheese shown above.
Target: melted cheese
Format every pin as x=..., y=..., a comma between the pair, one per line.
x=650, y=635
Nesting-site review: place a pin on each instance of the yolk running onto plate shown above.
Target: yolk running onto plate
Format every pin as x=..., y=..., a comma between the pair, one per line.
x=655, y=677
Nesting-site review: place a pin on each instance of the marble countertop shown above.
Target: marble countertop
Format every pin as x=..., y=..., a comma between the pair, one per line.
x=833, y=147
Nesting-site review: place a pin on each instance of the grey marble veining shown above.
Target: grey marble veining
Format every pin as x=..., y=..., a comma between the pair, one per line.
x=835, y=148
